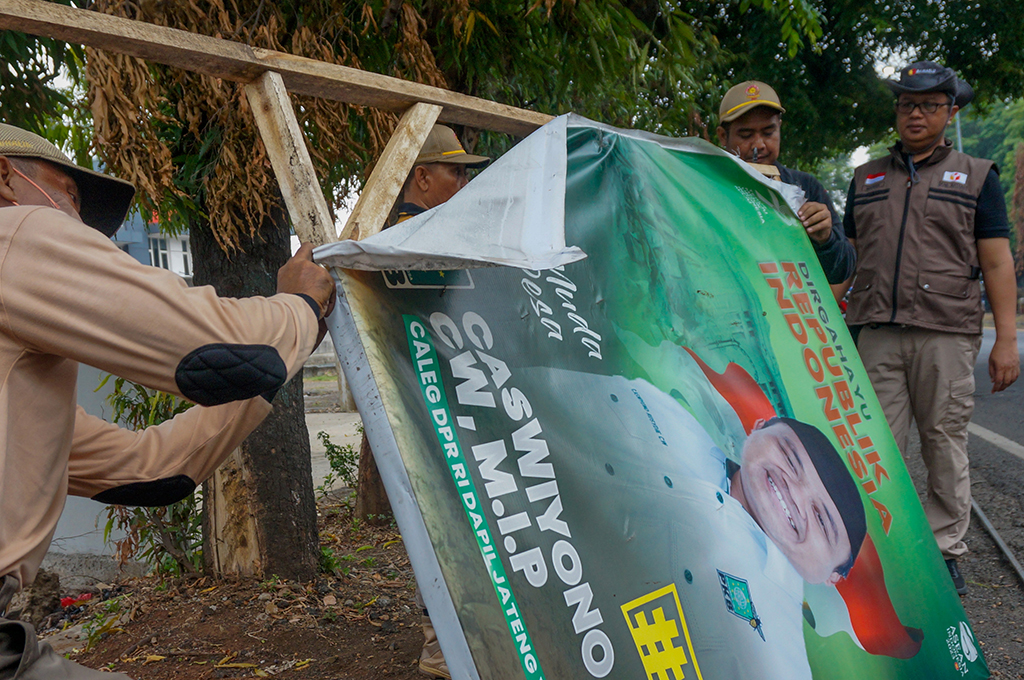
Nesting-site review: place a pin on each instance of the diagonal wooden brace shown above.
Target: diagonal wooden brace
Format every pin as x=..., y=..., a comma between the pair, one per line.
x=286, y=148
x=388, y=176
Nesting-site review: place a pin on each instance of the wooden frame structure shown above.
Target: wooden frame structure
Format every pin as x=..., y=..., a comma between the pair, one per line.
x=268, y=77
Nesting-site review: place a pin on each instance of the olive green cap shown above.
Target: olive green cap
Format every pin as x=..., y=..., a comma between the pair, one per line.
x=104, y=200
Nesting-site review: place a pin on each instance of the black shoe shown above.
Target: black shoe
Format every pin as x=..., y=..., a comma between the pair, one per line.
x=958, y=579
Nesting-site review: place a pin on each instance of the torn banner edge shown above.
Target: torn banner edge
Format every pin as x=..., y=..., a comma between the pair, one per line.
x=386, y=250
x=352, y=357
x=369, y=255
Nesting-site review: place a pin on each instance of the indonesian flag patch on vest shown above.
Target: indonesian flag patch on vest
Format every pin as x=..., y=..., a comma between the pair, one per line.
x=874, y=179
x=953, y=176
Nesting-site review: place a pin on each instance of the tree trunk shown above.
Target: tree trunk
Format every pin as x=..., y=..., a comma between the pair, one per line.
x=230, y=537
x=264, y=519
x=372, y=504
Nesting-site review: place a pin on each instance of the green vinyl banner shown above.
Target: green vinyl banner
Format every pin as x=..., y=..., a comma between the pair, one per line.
x=662, y=461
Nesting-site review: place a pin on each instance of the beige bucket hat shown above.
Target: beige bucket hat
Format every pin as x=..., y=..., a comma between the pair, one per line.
x=104, y=200
x=443, y=146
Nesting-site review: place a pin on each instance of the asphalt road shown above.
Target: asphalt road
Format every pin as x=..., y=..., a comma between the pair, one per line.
x=1003, y=414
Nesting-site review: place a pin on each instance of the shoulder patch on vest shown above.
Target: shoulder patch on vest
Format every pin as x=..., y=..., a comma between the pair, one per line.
x=874, y=179
x=220, y=373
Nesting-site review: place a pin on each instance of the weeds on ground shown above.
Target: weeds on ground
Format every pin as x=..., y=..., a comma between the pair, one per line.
x=103, y=622
x=344, y=462
x=270, y=584
x=329, y=563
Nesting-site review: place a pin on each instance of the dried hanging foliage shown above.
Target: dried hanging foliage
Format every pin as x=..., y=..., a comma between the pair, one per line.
x=413, y=51
x=190, y=143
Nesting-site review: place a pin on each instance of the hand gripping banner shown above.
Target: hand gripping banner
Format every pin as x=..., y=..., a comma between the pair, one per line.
x=657, y=455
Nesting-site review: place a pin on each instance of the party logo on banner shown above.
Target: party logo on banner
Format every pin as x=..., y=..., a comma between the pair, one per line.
x=659, y=630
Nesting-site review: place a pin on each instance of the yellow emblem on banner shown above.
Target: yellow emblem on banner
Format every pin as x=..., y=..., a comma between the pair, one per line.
x=659, y=630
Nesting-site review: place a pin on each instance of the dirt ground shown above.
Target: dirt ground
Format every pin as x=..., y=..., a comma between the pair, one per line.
x=358, y=621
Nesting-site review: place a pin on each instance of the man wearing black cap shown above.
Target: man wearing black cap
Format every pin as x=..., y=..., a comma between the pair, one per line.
x=750, y=126
x=69, y=295
x=928, y=223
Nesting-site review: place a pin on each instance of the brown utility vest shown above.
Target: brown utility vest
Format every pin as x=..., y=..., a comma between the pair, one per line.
x=917, y=258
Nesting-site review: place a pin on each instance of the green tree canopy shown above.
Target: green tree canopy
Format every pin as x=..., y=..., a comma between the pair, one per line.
x=648, y=64
x=998, y=134
x=834, y=100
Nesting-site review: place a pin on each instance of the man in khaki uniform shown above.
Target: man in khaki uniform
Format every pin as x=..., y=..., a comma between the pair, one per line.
x=750, y=126
x=438, y=174
x=69, y=295
x=928, y=222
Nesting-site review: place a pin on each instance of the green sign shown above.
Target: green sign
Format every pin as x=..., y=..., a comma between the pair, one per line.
x=662, y=461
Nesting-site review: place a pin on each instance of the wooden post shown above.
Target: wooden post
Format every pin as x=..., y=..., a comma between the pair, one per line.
x=286, y=148
x=367, y=218
x=231, y=533
x=379, y=194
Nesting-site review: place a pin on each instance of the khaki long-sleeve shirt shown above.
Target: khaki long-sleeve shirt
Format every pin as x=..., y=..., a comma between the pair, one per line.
x=69, y=295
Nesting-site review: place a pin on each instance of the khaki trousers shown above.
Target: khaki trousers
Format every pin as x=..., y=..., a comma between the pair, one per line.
x=929, y=376
x=23, y=657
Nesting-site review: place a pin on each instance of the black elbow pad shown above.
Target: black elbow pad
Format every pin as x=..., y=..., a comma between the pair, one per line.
x=151, y=494
x=219, y=373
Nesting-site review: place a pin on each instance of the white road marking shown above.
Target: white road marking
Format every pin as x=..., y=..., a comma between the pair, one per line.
x=997, y=439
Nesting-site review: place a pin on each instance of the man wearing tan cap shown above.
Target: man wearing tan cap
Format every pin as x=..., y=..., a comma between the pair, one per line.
x=438, y=173
x=750, y=126
x=69, y=295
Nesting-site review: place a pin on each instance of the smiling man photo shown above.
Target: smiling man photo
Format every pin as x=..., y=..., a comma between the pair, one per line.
x=777, y=513
x=795, y=486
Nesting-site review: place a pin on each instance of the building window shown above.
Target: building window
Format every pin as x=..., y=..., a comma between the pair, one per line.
x=159, y=256
x=186, y=257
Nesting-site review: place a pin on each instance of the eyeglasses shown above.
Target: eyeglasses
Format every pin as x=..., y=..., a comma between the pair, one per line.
x=926, y=107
